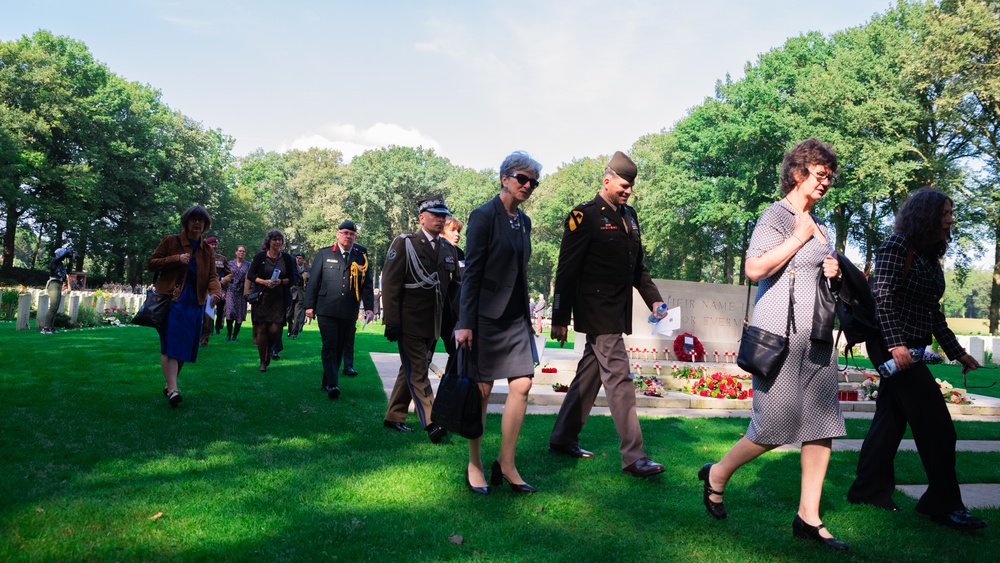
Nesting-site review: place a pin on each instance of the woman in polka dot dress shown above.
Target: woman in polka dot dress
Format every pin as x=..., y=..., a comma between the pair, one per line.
x=791, y=246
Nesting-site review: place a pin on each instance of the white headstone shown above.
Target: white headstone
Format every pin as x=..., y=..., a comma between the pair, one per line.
x=42, y=310
x=23, y=312
x=976, y=348
x=74, y=307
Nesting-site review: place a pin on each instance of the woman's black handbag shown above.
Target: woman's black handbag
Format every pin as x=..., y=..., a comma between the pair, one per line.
x=254, y=298
x=155, y=311
x=762, y=353
x=458, y=406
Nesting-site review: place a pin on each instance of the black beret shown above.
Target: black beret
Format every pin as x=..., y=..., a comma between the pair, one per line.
x=349, y=225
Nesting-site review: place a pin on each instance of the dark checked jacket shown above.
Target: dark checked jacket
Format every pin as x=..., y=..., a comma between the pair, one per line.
x=909, y=308
x=600, y=261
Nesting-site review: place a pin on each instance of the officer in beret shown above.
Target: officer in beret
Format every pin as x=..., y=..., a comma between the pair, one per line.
x=420, y=275
x=340, y=278
x=600, y=261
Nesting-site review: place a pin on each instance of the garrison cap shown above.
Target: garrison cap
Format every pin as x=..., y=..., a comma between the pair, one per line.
x=623, y=166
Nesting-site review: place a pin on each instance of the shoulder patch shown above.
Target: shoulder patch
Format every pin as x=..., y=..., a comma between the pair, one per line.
x=574, y=220
x=391, y=255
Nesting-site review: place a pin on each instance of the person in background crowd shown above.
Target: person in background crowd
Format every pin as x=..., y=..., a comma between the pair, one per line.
x=54, y=288
x=187, y=271
x=268, y=315
x=449, y=315
x=420, y=275
x=600, y=261
x=908, y=286
x=790, y=252
x=339, y=279
x=539, y=311
x=297, y=312
x=236, y=300
x=222, y=268
x=494, y=324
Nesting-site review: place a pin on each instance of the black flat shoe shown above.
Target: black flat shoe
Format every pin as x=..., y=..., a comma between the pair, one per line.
x=802, y=530
x=572, y=451
x=715, y=509
x=333, y=393
x=175, y=398
x=959, y=520
x=397, y=426
x=350, y=372
x=478, y=490
x=435, y=433
x=497, y=477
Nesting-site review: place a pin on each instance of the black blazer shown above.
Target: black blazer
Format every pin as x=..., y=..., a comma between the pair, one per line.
x=491, y=267
x=909, y=308
x=330, y=292
x=599, y=264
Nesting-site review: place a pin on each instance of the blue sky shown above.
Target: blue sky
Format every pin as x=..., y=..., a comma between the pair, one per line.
x=473, y=80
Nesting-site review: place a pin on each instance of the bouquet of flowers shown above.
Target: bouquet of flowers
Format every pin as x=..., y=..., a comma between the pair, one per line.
x=720, y=386
x=560, y=388
x=688, y=372
x=868, y=390
x=116, y=316
x=952, y=395
x=649, y=386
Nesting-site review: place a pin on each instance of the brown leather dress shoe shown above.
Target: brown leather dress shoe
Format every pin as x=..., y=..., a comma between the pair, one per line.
x=644, y=467
x=397, y=426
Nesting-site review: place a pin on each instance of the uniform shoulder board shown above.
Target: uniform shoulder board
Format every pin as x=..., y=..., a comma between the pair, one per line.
x=359, y=248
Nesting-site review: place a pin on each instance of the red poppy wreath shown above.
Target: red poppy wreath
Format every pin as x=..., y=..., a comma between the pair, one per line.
x=697, y=350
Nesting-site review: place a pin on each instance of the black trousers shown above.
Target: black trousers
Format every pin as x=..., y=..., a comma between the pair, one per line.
x=909, y=397
x=333, y=334
x=349, y=347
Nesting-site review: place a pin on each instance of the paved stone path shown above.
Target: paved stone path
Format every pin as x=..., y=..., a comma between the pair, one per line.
x=975, y=495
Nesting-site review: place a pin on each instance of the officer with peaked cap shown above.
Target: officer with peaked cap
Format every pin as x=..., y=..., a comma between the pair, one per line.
x=420, y=275
x=340, y=278
x=600, y=261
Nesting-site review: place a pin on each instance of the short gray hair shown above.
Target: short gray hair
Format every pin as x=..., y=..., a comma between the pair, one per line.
x=520, y=160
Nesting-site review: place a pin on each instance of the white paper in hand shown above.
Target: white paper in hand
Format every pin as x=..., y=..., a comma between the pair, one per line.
x=669, y=323
x=209, y=309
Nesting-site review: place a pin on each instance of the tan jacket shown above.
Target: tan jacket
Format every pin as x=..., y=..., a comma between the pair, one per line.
x=166, y=259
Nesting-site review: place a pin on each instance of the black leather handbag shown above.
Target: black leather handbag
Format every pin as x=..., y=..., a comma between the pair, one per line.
x=762, y=353
x=155, y=311
x=458, y=406
x=254, y=297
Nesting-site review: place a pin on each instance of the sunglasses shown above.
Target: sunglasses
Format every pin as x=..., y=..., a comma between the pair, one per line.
x=522, y=179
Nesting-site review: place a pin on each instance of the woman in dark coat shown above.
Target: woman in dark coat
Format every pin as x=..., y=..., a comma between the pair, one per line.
x=494, y=323
x=268, y=314
x=187, y=271
x=907, y=287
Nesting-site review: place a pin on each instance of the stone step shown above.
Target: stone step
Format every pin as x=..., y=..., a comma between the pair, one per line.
x=544, y=399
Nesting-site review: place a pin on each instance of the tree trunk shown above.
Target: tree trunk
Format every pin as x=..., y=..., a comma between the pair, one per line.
x=995, y=289
x=10, y=235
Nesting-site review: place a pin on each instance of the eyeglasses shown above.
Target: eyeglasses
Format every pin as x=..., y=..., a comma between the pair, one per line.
x=522, y=179
x=347, y=233
x=824, y=177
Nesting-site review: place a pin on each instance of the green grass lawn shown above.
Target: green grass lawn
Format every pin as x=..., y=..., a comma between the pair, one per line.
x=97, y=467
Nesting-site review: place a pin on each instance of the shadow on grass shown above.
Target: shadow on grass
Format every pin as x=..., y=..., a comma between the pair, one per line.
x=264, y=466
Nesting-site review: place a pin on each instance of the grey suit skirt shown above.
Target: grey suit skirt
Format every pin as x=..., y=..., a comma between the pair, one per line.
x=502, y=349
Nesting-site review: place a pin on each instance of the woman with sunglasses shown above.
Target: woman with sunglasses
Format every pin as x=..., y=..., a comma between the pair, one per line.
x=494, y=325
x=789, y=252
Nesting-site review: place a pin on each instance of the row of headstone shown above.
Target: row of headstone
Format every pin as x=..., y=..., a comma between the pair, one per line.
x=129, y=302
x=977, y=346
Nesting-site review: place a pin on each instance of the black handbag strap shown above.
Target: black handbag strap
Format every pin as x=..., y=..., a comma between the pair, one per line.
x=791, y=302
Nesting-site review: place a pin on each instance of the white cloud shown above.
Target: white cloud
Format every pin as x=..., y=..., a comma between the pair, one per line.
x=352, y=141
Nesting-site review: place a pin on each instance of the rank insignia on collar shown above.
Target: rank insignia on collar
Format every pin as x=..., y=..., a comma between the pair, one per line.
x=574, y=220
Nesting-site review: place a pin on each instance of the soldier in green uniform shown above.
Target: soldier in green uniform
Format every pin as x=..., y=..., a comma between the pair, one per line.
x=600, y=261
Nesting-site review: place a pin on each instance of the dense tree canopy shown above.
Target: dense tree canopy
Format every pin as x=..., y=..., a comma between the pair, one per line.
x=908, y=99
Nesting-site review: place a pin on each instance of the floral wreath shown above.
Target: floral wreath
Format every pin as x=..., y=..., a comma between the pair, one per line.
x=697, y=350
